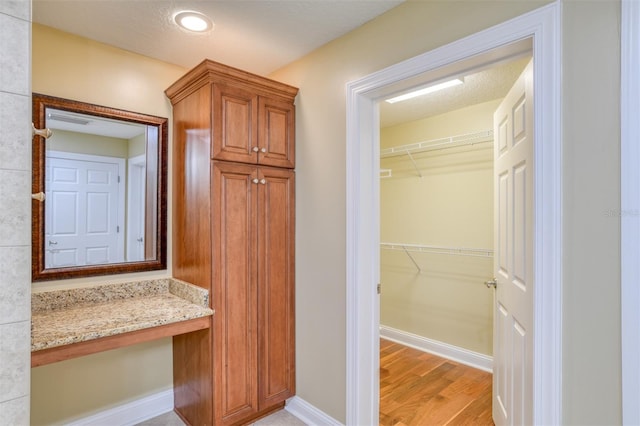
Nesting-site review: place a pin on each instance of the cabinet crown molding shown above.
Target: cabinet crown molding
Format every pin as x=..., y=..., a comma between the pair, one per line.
x=209, y=71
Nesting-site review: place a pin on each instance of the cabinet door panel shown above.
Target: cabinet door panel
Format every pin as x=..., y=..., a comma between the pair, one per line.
x=277, y=134
x=234, y=291
x=235, y=118
x=276, y=286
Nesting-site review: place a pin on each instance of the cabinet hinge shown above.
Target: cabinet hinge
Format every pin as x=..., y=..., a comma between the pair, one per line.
x=378, y=288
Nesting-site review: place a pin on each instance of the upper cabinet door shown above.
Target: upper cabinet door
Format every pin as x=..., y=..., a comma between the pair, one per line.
x=235, y=124
x=276, y=137
x=252, y=129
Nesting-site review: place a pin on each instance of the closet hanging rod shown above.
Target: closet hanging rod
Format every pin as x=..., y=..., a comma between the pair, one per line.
x=421, y=248
x=436, y=144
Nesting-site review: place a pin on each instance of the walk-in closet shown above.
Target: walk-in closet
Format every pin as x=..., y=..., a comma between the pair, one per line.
x=437, y=220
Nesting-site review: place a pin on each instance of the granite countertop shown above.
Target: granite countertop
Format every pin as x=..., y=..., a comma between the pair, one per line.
x=63, y=317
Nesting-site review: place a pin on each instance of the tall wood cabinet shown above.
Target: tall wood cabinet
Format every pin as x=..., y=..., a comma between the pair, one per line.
x=233, y=233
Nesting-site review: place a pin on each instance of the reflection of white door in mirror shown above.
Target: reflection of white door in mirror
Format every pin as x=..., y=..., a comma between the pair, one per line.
x=136, y=181
x=84, y=210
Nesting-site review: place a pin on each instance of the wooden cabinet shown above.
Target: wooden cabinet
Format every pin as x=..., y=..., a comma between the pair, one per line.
x=233, y=233
x=253, y=288
x=253, y=129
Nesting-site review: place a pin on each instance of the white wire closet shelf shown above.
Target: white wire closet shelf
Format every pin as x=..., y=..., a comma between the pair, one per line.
x=436, y=144
x=421, y=248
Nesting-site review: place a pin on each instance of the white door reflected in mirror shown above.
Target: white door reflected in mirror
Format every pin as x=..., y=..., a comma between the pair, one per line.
x=84, y=212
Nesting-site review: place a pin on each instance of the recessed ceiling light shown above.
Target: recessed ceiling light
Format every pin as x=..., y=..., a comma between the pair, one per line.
x=424, y=91
x=193, y=21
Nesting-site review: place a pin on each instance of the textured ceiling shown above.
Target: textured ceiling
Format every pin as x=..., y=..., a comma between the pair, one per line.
x=259, y=36
x=480, y=86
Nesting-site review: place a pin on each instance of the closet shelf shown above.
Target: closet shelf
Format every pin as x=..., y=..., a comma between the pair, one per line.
x=436, y=144
x=420, y=248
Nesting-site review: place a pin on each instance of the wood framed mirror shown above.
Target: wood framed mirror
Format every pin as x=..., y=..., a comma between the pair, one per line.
x=103, y=174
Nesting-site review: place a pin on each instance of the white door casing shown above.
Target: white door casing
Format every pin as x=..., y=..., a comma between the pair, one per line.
x=362, y=198
x=630, y=208
x=513, y=254
x=84, y=210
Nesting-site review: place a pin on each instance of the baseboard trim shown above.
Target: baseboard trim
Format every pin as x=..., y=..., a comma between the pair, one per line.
x=308, y=413
x=132, y=412
x=445, y=350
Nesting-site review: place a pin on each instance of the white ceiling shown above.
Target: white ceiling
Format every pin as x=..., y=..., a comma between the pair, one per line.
x=479, y=86
x=259, y=36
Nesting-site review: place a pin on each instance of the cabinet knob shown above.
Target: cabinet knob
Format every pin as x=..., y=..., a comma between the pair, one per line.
x=263, y=150
x=255, y=180
x=255, y=149
x=263, y=181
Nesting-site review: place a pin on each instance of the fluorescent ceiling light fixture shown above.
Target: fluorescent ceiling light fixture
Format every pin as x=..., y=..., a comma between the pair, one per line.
x=193, y=21
x=426, y=90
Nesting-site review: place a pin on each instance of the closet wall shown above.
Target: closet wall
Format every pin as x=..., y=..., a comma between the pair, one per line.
x=441, y=296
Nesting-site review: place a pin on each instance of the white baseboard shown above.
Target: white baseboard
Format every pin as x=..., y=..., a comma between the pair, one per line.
x=131, y=413
x=445, y=350
x=309, y=414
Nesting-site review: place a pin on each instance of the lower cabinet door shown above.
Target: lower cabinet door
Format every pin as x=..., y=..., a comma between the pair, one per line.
x=276, y=251
x=234, y=198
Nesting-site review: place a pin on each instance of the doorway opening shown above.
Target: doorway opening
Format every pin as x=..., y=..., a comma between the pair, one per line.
x=363, y=221
x=437, y=248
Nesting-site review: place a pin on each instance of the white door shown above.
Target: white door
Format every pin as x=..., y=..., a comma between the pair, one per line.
x=513, y=259
x=82, y=211
x=136, y=198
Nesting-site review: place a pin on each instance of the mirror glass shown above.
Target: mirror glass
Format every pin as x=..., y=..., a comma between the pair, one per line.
x=103, y=175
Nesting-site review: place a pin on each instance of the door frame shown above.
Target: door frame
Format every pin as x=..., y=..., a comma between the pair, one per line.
x=543, y=25
x=630, y=209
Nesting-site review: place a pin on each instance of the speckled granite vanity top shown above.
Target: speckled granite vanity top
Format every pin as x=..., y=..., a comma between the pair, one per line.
x=63, y=317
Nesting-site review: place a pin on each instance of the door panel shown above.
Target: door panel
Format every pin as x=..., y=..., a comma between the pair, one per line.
x=82, y=212
x=276, y=286
x=235, y=119
x=513, y=262
x=234, y=291
x=277, y=135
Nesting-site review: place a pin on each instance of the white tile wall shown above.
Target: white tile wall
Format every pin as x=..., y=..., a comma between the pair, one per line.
x=15, y=211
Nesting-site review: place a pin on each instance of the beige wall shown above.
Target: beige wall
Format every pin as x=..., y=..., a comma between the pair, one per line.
x=81, y=143
x=73, y=389
x=75, y=68
x=591, y=118
x=137, y=145
x=591, y=261
x=451, y=205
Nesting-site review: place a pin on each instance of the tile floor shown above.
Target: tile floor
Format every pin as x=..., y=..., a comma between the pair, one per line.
x=279, y=418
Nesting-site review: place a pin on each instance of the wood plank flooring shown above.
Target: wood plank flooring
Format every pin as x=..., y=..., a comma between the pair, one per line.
x=420, y=389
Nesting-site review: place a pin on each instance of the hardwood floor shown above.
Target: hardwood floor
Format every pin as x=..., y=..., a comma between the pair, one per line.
x=420, y=389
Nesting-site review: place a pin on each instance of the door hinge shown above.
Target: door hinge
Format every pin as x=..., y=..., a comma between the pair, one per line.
x=379, y=287
x=118, y=179
x=118, y=229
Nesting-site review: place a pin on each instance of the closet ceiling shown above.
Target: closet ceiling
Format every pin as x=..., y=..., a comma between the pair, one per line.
x=479, y=86
x=259, y=36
